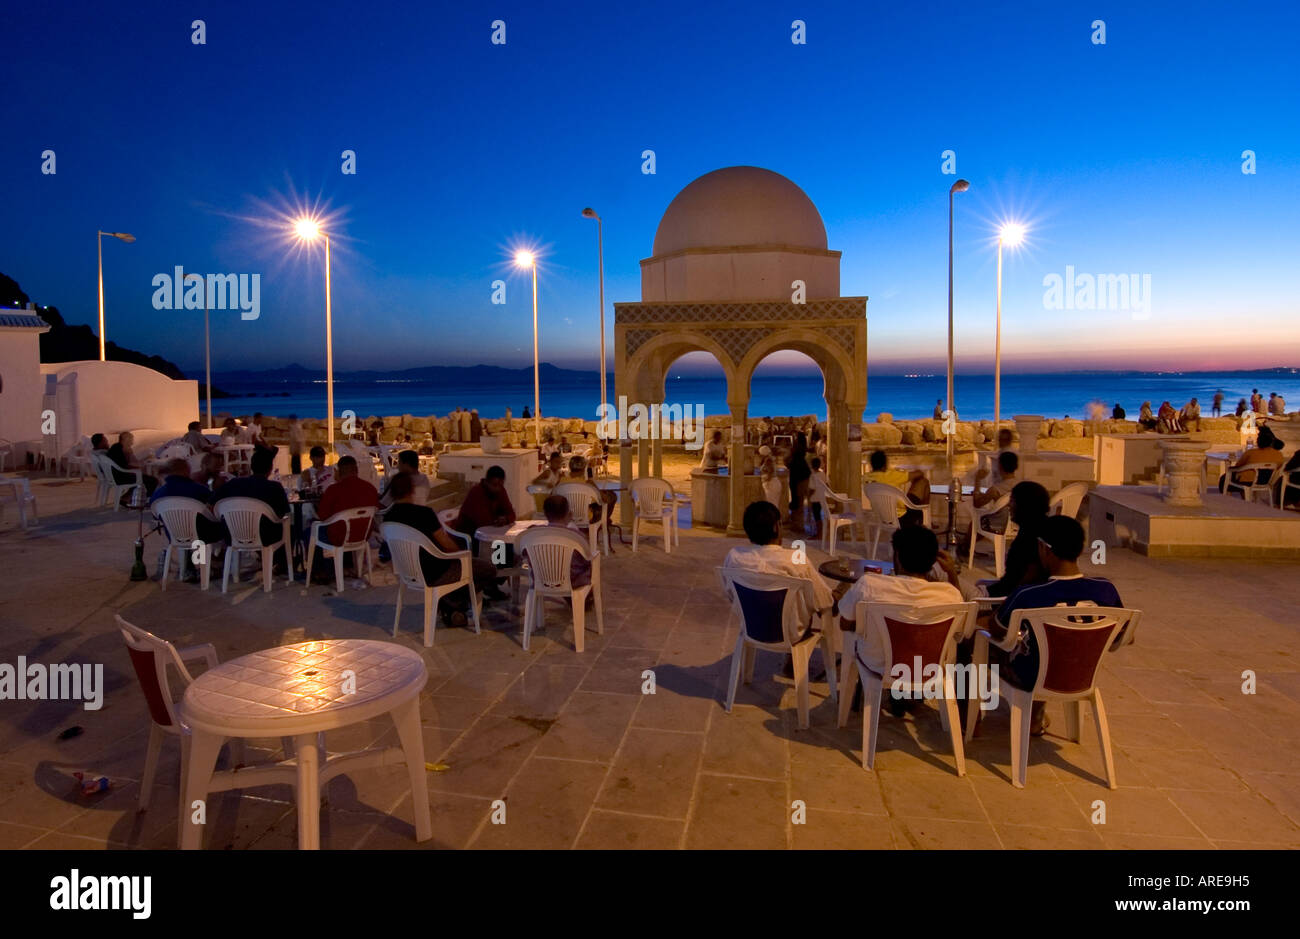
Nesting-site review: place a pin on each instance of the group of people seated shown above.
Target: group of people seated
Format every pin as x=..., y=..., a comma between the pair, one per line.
x=1268, y=451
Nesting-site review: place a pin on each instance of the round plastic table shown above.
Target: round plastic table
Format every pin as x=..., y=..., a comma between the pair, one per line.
x=301, y=691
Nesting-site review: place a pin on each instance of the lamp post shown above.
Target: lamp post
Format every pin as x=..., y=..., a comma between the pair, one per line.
x=954, y=485
x=207, y=345
x=1011, y=235
x=600, y=263
x=308, y=230
x=121, y=236
x=528, y=260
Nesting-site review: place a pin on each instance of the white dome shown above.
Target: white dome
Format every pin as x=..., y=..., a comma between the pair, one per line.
x=737, y=206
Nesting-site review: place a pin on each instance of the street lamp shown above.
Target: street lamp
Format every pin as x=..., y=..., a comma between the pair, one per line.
x=121, y=236
x=600, y=262
x=954, y=486
x=1011, y=234
x=527, y=259
x=207, y=344
x=308, y=230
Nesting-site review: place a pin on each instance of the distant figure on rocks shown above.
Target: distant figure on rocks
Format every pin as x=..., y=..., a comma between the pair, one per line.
x=509, y=416
x=1169, y=420
x=475, y=427
x=453, y=430
x=1242, y=407
x=1117, y=413
x=1217, y=407
x=1256, y=401
x=938, y=410
x=527, y=416
x=465, y=427
x=1145, y=418
x=1191, y=414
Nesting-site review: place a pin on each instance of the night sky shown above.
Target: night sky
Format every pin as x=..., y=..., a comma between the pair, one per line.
x=1122, y=158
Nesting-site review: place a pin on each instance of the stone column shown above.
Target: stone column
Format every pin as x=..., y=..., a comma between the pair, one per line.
x=1184, y=465
x=625, y=480
x=736, y=467
x=1028, y=426
x=837, y=444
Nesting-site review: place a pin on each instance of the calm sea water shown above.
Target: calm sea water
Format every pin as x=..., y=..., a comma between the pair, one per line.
x=1054, y=395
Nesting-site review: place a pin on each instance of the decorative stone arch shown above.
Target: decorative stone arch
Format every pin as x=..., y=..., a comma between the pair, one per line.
x=649, y=337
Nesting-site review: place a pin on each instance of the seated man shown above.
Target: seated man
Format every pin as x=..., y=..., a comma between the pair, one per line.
x=994, y=472
x=1117, y=413
x=408, y=464
x=1007, y=463
x=1262, y=452
x=913, y=484
x=1059, y=545
x=194, y=437
x=259, y=485
x=317, y=476
x=349, y=491
x=177, y=482
x=486, y=503
x=1191, y=415
x=123, y=457
x=210, y=473
x=916, y=550
x=578, y=473
x=556, y=509
x=440, y=570
x=553, y=473
x=762, y=521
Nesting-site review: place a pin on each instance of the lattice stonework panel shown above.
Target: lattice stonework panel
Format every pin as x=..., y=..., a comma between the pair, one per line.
x=636, y=338
x=737, y=341
x=837, y=308
x=843, y=335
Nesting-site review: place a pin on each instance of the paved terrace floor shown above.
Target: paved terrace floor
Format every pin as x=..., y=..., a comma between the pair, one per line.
x=584, y=759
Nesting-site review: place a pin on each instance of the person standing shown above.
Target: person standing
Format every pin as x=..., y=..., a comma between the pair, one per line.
x=1217, y=406
x=465, y=427
x=715, y=453
x=475, y=427
x=800, y=472
x=297, y=444
x=938, y=410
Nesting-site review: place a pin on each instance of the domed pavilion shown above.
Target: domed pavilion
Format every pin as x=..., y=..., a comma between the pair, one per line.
x=740, y=270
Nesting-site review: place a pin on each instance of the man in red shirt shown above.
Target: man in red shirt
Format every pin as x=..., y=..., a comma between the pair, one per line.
x=349, y=491
x=486, y=503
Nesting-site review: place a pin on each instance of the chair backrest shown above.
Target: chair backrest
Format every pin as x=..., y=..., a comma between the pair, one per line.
x=1067, y=501
x=243, y=518
x=909, y=633
x=1071, y=641
x=359, y=521
x=819, y=489
x=884, y=501
x=405, y=544
x=99, y=459
x=1265, y=472
x=997, y=505
x=550, y=551
x=580, y=496
x=178, y=515
x=649, y=493
x=150, y=657
x=767, y=604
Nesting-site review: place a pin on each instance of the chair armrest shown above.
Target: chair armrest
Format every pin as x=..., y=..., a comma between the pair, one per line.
x=1006, y=643
x=205, y=652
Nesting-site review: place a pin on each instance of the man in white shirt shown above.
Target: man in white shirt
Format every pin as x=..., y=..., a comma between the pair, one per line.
x=916, y=549
x=764, y=554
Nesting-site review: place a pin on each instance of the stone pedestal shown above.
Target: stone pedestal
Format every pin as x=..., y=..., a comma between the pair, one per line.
x=1183, y=465
x=1028, y=426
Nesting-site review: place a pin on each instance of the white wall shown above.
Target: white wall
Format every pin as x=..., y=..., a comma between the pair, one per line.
x=115, y=396
x=20, y=396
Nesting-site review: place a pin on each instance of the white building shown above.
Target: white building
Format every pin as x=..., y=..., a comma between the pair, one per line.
x=21, y=385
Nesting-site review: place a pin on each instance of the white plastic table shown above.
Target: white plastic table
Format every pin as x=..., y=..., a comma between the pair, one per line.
x=300, y=691
x=507, y=533
x=237, y=454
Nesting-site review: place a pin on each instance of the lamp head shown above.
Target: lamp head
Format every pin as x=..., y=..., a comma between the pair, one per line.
x=307, y=229
x=960, y=185
x=590, y=213
x=524, y=259
x=1012, y=234
x=123, y=236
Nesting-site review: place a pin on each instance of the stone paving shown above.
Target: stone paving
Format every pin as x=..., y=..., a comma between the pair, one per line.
x=584, y=759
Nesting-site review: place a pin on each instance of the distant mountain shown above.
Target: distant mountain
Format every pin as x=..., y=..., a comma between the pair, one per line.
x=463, y=375
x=64, y=343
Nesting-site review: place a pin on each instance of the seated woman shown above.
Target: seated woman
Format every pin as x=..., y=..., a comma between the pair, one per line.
x=1146, y=419
x=1266, y=450
x=1028, y=508
x=1169, y=421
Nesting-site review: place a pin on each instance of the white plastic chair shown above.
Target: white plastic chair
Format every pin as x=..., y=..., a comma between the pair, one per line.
x=6, y=448
x=108, y=484
x=999, y=539
x=768, y=606
x=1067, y=501
x=243, y=518
x=405, y=544
x=1252, y=491
x=580, y=496
x=549, y=553
x=150, y=657
x=21, y=490
x=911, y=635
x=881, y=511
x=655, y=502
x=354, y=545
x=849, y=515
x=1284, y=486
x=179, y=515
x=1069, y=657
x=78, y=457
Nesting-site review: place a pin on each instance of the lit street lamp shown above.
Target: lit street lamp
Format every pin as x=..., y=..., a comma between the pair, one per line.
x=600, y=262
x=207, y=344
x=308, y=230
x=1011, y=235
x=527, y=259
x=121, y=236
x=954, y=485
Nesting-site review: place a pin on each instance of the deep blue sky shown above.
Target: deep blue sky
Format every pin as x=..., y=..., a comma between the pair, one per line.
x=1121, y=158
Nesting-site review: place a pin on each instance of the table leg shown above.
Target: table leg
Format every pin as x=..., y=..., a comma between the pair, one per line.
x=308, y=756
x=406, y=717
x=199, y=759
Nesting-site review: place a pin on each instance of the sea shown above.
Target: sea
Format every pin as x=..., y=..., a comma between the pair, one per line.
x=1059, y=394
